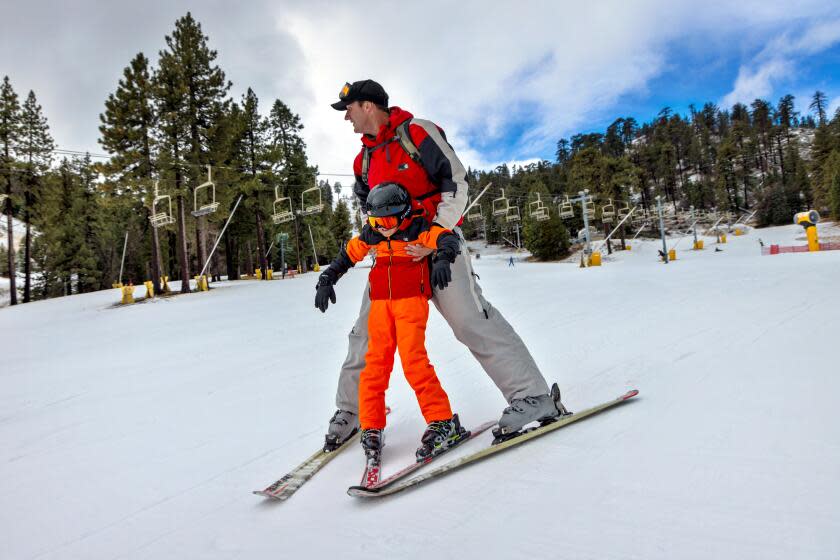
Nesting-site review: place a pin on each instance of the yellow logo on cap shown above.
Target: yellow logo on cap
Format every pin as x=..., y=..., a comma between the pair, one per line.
x=345, y=90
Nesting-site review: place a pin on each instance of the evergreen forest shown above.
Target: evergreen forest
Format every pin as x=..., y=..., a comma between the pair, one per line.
x=183, y=156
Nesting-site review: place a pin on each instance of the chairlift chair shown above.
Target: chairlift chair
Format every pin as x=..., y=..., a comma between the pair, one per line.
x=543, y=214
x=512, y=214
x=282, y=208
x=590, y=208
x=474, y=215
x=3, y=198
x=501, y=205
x=535, y=208
x=310, y=201
x=158, y=219
x=211, y=206
x=566, y=209
x=623, y=211
x=608, y=212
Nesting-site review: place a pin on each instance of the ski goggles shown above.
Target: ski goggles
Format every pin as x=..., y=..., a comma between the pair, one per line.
x=383, y=222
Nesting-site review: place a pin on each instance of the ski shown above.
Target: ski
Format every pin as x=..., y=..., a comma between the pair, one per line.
x=407, y=470
x=492, y=450
x=289, y=483
x=282, y=488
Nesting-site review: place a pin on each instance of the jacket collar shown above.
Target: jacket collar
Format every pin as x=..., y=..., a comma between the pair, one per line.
x=396, y=117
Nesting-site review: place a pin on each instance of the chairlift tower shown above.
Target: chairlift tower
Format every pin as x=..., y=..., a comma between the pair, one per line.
x=211, y=206
x=282, y=208
x=164, y=217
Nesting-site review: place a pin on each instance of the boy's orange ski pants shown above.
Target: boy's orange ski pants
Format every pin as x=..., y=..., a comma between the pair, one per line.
x=399, y=324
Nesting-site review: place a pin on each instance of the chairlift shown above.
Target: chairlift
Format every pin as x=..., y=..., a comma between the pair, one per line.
x=474, y=215
x=3, y=198
x=211, y=206
x=543, y=214
x=608, y=212
x=282, y=208
x=566, y=209
x=501, y=205
x=310, y=201
x=164, y=217
x=623, y=211
x=590, y=207
x=512, y=214
x=536, y=208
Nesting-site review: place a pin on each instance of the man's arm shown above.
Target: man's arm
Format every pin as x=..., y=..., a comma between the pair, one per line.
x=444, y=169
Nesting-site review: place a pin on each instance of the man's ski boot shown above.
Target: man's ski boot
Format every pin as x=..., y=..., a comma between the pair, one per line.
x=343, y=425
x=373, y=440
x=440, y=436
x=544, y=409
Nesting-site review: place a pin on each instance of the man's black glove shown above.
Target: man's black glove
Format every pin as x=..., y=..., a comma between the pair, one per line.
x=324, y=291
x=448, y=249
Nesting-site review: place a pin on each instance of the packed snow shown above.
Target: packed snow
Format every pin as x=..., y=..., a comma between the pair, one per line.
x=139, y=432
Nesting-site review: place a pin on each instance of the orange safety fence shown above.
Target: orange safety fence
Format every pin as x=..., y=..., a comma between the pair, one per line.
x=779, y=249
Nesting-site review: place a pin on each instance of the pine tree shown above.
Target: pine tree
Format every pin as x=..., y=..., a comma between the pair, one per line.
x=831, y=176
x=36, y=155
x=189, y=91
x=127, y=130
x=10, y=124
x=819, y=103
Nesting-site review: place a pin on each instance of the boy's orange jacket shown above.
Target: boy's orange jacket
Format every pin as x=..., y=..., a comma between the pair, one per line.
x=395, y=274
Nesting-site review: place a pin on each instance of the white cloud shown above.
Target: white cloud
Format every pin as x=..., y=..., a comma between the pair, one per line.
x=778, y=60
x=478, y=69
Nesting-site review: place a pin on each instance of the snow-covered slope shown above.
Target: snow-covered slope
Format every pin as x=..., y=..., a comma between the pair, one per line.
x=139, y=432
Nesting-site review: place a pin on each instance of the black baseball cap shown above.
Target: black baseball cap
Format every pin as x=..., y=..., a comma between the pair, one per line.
x=365, y=90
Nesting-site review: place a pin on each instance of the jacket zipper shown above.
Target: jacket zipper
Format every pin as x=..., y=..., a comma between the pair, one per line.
x=390, y=263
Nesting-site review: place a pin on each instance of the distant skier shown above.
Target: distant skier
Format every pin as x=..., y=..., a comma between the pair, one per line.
x=414, y=152
x=510, y=262
x=400, y=288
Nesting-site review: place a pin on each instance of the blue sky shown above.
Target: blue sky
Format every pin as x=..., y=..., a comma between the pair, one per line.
x=505, y=80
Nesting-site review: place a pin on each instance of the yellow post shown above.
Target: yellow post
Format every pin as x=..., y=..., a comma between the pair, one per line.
x=809, y=220
x=127, y=294
x=201, y=283
x=595, y=259
x=117, y=285
x=150, y=288
x=628, y=247
x=698, y=245
x=722, y=238
x=317, y=268
x=739, y=231
x=258, y=273
x=270, y=274
x=164, y=282
x=813, y=241
x=672, y=254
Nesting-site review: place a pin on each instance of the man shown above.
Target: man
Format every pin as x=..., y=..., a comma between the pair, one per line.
x=426, y=165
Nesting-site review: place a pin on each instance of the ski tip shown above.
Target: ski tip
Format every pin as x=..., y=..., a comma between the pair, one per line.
x=630, y=394
x=360, y=491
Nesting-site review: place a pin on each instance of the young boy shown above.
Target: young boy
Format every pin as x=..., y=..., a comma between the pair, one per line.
x=400, y=288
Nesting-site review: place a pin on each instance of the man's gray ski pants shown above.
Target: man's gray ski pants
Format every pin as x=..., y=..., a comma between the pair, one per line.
x=475, y=323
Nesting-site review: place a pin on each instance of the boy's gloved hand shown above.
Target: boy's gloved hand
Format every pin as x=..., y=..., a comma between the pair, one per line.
x=441, y=273
x=324, y=291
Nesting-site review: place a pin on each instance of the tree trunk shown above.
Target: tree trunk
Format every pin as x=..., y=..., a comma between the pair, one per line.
x=11, y=246
x=231, y=259
x=249, y=259
x=27, y=255
x=183, y=253
x=261, y=249
x=157, y=268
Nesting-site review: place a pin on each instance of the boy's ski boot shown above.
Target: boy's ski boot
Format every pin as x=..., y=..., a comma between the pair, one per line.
x=440, y=436
x=373, y=440
x=343, y=425
x=544, y=409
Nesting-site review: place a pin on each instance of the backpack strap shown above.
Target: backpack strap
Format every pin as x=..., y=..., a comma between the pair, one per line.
x=402, y=136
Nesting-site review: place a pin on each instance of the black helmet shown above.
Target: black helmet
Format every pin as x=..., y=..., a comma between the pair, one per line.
x=389, y=199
